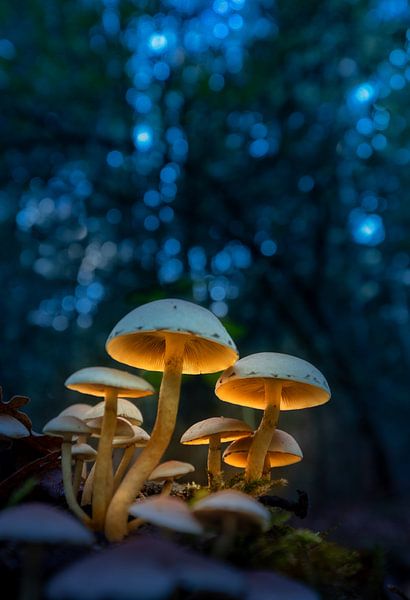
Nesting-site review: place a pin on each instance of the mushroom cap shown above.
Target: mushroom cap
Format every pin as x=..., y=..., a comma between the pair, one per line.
x=168, y=512
x=229, y=430
x=12, y=428
x=283, y=450
x=266, y=585
x=138, y=339
x=125, y=572
x=38, y=523
x=303, y=385
x=125, y=409
x=126, y=434
x=217, y=506
x=96, y=381
x=78, y=410
x=171, y=469
x=63, y=426
x=83, y=452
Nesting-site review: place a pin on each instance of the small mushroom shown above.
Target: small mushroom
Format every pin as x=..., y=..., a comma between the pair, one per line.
x=166, y=512
x=283, y=450
x=67, y=427
x=12, y=429
x=81, y=453
x=168, y=472
x=230, y=512
x=214, y=432
x=125, y=409
x=173, y=336
x=272, y=382
x=33, y=525
x=108, y=383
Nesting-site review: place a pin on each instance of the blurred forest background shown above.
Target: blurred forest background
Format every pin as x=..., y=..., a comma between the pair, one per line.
x=251, y=156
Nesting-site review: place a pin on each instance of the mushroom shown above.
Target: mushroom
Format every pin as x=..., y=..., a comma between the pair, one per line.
x=231, y=512
x=108, y=383
x=67, y=427
x=127, y=437
x=130, y=571
x=173, y=336
x=81, y=453
x=272, y=382
x=167, y=512
x=283, y=450
x=214, y=432
x=125, y=409
x=33, y=525
x=168, y=471
x=12, y=428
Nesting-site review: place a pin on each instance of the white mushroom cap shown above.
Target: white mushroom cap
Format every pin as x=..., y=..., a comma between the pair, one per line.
x=78, y=410
x=283, y=450
x=229, y=430
x=172, y=469
x=96, y=381
x=266, y=585
x=125, y=409
x=138, y=339
x=65, y=426
x=126, y=434
x=217, y=506
x=302, y=384
x=168, y=512
x=12, y=428
x=39, y=523
x=83, y=452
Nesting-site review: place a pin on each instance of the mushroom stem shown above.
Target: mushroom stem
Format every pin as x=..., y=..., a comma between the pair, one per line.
x=214, y=460
x=263, y=435
x=167, y=487
x=103, y=476
x=78, y=472
x=88, y=488
x=122, y=467
x=68, y=483
x=134, y=525
x=266, y=468
x=30, y=582
x=117, y=514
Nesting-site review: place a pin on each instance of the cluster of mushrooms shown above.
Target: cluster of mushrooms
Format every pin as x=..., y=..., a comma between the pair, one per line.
x=176, y=337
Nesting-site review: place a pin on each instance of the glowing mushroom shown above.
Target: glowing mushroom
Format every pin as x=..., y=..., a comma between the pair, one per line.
x=272, y=382
x=168, y=472
x=107, y=383
x=67, y=427
x=283, y=450
x=125, y=409
x=213, y=432
x=82, y=453
x=173, y=336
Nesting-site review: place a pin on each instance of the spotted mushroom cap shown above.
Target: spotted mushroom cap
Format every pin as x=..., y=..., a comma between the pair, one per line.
x=217, y=506
x=168, y=512
x=229, y=430
x=138, y=339
x=95, y=381
x=78, y=410
x=283, y=450
x=38, y=523
x=65, y=427
x=171, y=469
x=12, y=428
x=125, y=409
x=303, y=385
